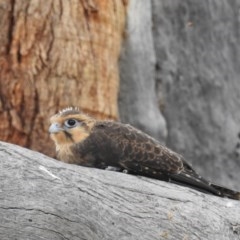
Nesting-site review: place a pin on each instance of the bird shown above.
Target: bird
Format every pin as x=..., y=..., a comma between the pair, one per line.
x=83, y=140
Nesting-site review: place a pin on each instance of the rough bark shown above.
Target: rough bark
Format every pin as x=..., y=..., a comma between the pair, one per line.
x=42, y=198
x=55, y=54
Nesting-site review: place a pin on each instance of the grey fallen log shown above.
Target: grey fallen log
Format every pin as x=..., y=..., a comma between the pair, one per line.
x=41, y=198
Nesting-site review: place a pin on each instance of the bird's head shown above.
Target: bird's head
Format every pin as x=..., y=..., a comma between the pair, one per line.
x=70, y=126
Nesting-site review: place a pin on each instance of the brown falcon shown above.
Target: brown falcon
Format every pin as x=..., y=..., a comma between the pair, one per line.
x=83, y=140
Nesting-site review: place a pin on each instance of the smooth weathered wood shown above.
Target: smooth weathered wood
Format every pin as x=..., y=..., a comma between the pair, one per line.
x=56, y=54
x=42, y=198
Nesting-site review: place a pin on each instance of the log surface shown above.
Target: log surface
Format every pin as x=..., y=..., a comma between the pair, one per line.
x=41, y=198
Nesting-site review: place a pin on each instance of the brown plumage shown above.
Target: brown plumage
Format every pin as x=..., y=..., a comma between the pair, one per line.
x=85, y=141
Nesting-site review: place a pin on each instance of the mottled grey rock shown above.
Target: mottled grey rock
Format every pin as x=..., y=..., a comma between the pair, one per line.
x=41, y=198
x=138, y=103
x=197, y=44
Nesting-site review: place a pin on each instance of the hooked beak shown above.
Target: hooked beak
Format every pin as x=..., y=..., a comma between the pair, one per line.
x=55, y=128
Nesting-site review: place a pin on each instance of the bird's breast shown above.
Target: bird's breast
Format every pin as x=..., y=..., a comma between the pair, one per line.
x=65, y=153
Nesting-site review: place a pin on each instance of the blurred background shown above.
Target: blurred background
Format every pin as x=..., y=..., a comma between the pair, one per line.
x=170, y=68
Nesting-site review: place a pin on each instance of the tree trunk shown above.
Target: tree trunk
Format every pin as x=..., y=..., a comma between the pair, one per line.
x=137, y=65
x=188, y=52
x=56, y=54
x=42, y=198
x=198, y=59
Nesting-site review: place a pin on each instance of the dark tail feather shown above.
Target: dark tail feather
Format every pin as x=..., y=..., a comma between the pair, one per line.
x=225, y=192
x=193, y=180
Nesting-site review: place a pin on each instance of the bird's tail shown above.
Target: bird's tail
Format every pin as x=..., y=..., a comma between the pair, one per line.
x=225, y=192
x=193, y=180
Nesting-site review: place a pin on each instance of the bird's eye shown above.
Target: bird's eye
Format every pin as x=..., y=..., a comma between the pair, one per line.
x=70, y=123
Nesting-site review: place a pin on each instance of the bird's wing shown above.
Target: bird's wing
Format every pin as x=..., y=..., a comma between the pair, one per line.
x=139, y=152
x=143, y=155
